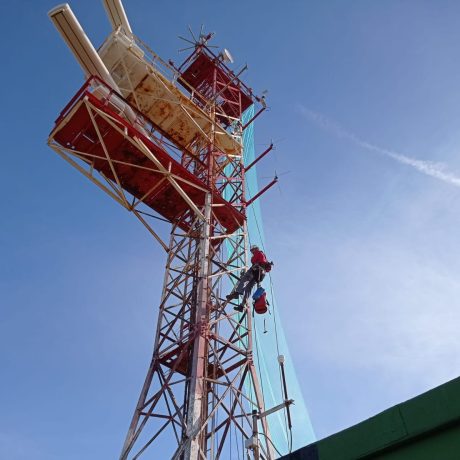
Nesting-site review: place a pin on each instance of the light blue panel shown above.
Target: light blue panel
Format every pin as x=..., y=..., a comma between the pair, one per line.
x=272, y=343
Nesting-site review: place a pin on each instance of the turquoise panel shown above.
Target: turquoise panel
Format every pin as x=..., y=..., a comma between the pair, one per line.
x=272, y=343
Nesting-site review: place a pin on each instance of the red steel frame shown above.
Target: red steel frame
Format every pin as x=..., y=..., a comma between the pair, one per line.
x=201, y=386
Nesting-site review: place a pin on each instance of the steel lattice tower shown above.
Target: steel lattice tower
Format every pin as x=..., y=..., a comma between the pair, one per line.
x=165, y=139
x=202, y=378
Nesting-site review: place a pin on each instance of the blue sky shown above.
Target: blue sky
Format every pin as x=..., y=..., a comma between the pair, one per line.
x=365, y=243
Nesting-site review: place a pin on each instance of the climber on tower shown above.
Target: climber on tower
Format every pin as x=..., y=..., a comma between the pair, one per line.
x=254, y=275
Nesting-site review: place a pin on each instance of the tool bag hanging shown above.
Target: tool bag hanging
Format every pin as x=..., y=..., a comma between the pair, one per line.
x=260, y=301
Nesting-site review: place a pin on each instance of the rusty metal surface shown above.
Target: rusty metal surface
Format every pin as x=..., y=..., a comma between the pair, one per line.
x=175, y=114
x=146, y=88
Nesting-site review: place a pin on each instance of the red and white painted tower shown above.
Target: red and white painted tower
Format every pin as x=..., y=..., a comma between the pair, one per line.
x=166, y=142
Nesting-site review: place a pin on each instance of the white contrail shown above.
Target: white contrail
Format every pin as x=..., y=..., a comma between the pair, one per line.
x=430, y=168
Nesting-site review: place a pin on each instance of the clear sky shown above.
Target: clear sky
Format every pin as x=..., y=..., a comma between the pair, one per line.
x=365, y=109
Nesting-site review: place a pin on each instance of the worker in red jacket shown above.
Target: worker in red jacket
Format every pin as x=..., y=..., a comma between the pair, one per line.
x=253, y=276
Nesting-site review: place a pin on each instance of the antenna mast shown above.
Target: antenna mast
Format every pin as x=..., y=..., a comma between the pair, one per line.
x=166, y=142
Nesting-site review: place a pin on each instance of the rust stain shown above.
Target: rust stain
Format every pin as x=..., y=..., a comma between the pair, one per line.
x=162, y=108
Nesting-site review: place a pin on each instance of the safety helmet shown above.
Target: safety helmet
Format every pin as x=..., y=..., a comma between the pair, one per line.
x=254, y=247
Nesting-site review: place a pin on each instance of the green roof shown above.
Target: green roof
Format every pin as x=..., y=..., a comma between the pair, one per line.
x=426, y=427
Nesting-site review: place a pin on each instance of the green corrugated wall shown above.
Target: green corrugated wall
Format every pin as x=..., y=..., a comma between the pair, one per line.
x=424, y=428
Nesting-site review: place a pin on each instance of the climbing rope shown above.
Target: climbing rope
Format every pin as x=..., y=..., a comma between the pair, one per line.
x=248, y=141
x=287, y=429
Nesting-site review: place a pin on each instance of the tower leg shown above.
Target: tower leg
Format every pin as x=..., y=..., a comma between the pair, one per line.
x=196, y=448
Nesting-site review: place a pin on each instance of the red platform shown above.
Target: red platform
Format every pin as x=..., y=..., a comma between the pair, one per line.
x=75, y=130
x=234, y=97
